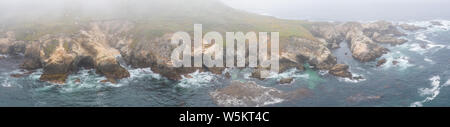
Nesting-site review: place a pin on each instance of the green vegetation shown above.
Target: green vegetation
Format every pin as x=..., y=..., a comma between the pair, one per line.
x=156, y=19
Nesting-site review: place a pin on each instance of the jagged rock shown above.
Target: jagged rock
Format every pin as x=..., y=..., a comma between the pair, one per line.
x=7, y=39
x=61, y=54
x=361, y=37
x=77, y=80
x=257, y=74
x=394, y=62
x=286, y=64
x=16, y=75
x=58, y=61
x=363, y=48
x=340, y=70
x=411, y=27
x=303, y=50
x=228, y=75
x=286, y=80
x=332, y=35
x=19, y=75
x=381, y=62
x=156, y=54
x=357, y=77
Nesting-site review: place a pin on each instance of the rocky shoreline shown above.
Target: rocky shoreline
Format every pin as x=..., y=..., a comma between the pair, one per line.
x=107, y=46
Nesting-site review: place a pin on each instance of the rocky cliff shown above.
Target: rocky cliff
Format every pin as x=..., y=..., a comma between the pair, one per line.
x=103, y=44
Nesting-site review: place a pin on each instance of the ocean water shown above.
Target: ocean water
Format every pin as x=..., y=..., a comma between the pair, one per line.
x=421, y=78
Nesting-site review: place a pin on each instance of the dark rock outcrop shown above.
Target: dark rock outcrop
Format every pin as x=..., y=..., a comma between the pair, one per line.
x=381, y=62
x=286, y=80
x=340, y=70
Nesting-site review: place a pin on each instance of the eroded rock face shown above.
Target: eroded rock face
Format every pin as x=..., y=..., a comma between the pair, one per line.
x=328, y=31
x=314, y=52
x=58, y=61
x=102, y=45
x=340, y=70
x=363, y=48
x=250, y=94
x=363, y=39
x=9, y=44
x=93, y=47
x=156, y=54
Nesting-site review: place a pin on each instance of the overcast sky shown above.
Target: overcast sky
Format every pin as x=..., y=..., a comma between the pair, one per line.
x=329, y=10
x=348, y=9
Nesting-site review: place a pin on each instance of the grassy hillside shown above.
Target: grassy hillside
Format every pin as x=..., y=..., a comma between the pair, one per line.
x=155, y=18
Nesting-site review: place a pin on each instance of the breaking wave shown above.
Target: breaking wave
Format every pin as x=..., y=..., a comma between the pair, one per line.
x=430, y=93
x=400, y=60
x=197, y=79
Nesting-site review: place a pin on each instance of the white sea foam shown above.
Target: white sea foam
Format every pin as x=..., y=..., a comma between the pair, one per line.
x=141, y=72
x=428, y=60
x=197, y=79
x=422, y=36
x=427, y=46
x=430, y=93
x=6, y=83
x=352, y=80
x=3, y=55
x=401, y=59
x=291, y=73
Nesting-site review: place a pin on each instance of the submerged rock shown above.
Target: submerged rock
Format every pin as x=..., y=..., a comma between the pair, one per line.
x=246, y=94
x=381, y=62
x=250, y=94
x=286, y=80
x=77, y=80
x=394, y=62
x=54, y=78
x=19, y=75
x=360, y=98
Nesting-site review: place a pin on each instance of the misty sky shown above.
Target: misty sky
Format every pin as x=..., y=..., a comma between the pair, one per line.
x=348, y=9
x=336, y=10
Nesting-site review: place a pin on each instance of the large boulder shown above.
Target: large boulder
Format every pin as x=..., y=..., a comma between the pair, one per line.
x=340, y=70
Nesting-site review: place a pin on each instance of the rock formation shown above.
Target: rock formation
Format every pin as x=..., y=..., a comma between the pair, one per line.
x=107, y=46
x=340, y=70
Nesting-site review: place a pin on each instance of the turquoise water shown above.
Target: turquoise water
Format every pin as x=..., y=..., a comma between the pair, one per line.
x=419, y=79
